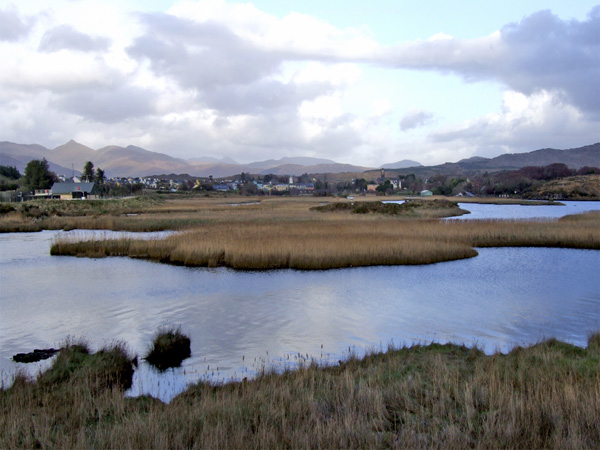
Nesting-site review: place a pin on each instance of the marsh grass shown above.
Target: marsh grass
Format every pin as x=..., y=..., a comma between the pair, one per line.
x=169, y=348
x=412, y=208
x=15, y=222
x=109, y=367
x=276, y=235
x=297, y=245
x=432, y=396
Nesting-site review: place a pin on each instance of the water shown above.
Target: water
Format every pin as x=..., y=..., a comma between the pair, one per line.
x=241, y=321
x=484, y=211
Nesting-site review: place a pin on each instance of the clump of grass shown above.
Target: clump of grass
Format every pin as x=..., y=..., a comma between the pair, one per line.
x=169, y=348
x=16, y=222
x=107, y=368
x=410, y=208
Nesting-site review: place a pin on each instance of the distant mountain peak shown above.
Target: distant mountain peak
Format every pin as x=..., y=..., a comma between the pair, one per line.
x=405, y=163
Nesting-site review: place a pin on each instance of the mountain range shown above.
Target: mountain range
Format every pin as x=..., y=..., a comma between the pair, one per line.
x=575, y=158
x=135, y=161
x=70, y=158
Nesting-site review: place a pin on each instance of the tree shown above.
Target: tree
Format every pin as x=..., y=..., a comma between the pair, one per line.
x=249, y=189
x=360, y=185
x=100, y=176
x=385, y=187
x=10, y=172
x=587, y=170
x=88, y=171
x=557, y=170
x=38, y=175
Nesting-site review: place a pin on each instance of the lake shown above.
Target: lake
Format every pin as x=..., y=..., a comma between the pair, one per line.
x=488, y=211
x=493, y=211
x=240, y=322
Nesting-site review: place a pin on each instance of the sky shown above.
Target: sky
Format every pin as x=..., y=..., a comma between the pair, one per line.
x=363, y=83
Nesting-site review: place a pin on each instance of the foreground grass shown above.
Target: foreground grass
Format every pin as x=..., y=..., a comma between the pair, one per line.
x=435, y=396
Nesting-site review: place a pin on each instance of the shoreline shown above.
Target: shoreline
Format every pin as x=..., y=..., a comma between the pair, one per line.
x=436, y=395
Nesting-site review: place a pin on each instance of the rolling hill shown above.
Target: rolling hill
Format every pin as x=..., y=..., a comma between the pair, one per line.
x=136, y=161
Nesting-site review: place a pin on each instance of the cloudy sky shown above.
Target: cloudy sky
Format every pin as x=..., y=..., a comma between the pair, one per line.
x=358, y=82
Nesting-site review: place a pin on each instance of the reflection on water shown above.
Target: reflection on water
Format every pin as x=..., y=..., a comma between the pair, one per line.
x=242, y=321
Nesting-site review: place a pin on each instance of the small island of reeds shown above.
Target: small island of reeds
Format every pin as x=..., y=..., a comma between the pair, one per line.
x=415, y=208
x=318, y=234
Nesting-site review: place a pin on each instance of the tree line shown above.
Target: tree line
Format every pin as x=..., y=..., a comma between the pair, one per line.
x=37, y=176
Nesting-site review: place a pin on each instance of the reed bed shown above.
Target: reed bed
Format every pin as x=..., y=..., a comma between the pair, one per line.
x=309, y=240
x=433, y=396
x=304, y=245
x=14, y=222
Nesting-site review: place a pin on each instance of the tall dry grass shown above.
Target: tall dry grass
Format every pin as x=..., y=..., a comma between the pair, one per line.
x=435, y=396
x=265, y=238
x=15, y=222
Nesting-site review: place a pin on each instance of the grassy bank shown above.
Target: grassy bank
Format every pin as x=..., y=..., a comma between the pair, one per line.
x=435, y=396
x=113, y=214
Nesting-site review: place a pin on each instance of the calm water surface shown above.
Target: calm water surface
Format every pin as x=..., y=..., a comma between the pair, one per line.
x=242, y=321
x=483, y=211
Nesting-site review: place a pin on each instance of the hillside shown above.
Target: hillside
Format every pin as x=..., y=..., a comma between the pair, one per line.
x=574, y=188
x=137, y=161
x=574, y=158
x=401, y=164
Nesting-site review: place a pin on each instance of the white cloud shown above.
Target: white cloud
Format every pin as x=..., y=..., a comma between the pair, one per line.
x=541, y=120
x=65, y=37
x=542, y=52
x=14, y=27
x=381, y=107
x=218, y=78
x=339, y=75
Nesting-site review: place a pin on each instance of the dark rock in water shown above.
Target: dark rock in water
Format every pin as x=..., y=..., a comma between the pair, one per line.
x=34, y=356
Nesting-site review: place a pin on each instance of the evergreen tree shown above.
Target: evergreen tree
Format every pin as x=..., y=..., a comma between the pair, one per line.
x=88, y=171
x=38, y=175
x=10, y=172
x=100, y=176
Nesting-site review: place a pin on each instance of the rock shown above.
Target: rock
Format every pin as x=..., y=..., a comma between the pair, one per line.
x=34, y=356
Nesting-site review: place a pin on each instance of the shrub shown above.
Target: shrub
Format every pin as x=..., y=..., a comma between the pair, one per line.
x=4, y=209
x=169, y=348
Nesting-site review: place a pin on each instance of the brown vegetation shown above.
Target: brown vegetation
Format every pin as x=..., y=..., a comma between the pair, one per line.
x=413, y=208
x=435, y=396
x=288, y=234
x=583, y=187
